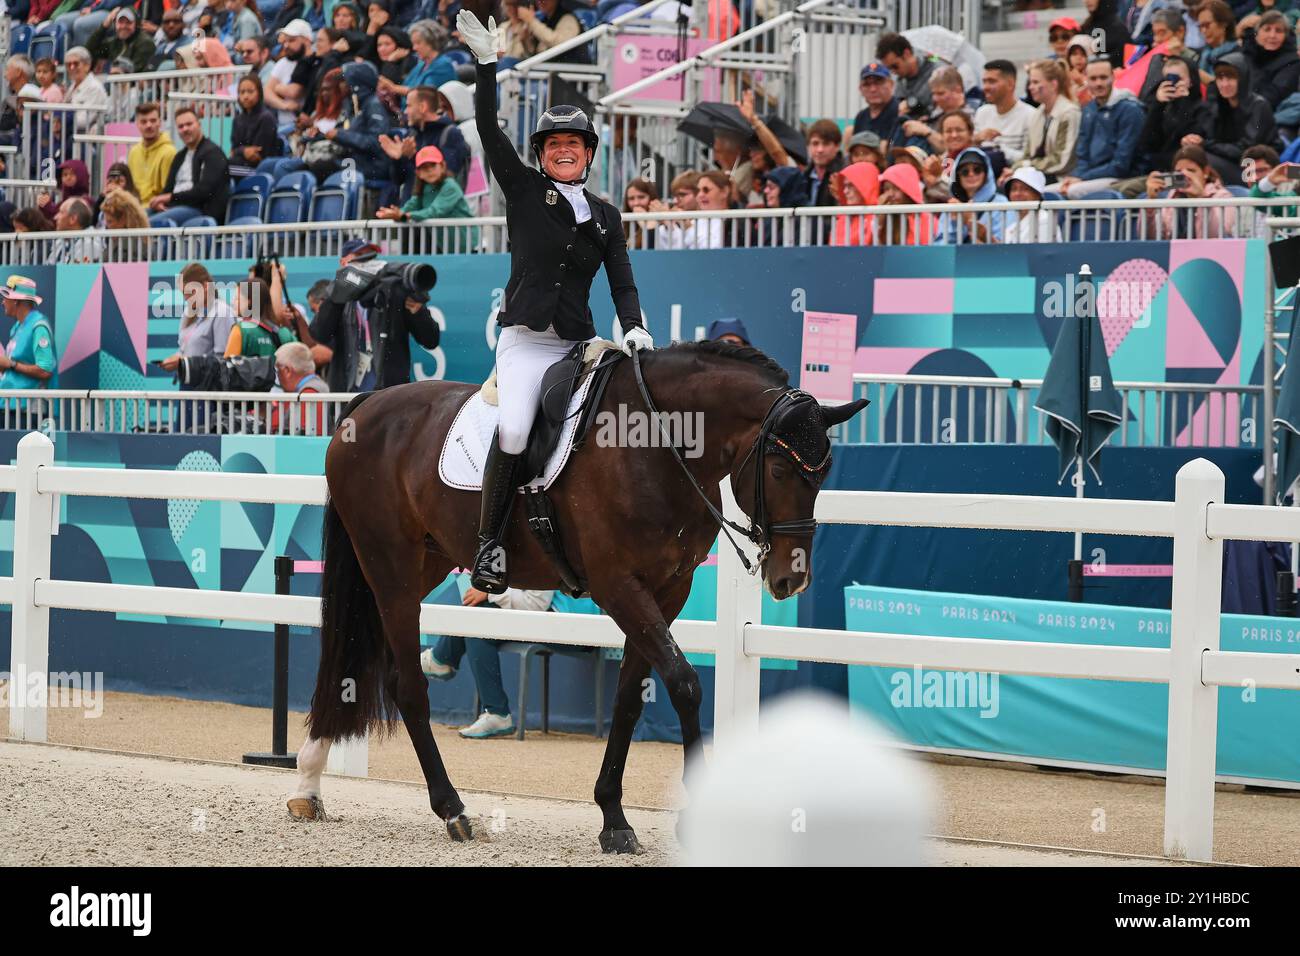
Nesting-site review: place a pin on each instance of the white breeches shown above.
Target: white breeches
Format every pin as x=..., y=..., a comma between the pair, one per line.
x=523, y=356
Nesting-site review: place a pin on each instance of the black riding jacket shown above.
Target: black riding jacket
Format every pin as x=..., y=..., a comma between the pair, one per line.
x=552, y=258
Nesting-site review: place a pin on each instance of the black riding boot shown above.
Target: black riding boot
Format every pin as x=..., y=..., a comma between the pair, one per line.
x=498, y=495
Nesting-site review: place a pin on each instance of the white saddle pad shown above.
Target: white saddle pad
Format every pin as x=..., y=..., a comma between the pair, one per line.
x=465, y=451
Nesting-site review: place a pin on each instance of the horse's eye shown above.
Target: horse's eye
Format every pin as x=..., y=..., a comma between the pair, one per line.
x=780, y=469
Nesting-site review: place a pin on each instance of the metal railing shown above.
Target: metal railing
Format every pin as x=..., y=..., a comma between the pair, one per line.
x=943, y=409
x=1066, y=221
x=905, y=409
x=170, y=412
x=769, y=57
x=1193, y=667
x=52, y=133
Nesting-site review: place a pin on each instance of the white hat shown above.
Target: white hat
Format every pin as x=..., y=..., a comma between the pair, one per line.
x=1033, y=178
x=29, y=91
x=297, y=28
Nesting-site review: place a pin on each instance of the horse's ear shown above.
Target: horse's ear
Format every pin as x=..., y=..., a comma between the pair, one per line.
x=837, y=414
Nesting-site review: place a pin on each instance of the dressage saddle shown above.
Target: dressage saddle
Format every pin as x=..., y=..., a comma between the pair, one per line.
x=561, y=381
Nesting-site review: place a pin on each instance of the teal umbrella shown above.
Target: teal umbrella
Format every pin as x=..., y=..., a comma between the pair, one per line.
x=1078, y=394
x=1286, y=421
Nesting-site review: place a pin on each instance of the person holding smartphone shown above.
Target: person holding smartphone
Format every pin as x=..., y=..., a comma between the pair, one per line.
x=1172, y=117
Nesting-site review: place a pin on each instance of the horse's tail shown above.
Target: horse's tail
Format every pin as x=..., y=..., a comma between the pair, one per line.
x=352, y=694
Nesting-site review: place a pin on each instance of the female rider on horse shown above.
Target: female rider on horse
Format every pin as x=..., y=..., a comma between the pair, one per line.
x=560, y=234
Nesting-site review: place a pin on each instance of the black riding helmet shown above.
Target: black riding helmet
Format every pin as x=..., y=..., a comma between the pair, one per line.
x=564, y=119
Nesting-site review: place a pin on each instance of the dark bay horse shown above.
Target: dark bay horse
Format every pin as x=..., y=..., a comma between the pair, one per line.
x=634, y=525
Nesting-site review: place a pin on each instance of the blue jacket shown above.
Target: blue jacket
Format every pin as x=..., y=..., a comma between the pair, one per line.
x=1108, y=138
x=956, y=228
x=365, y=122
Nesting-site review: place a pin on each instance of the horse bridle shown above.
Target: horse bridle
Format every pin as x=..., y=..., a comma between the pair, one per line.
x=760, y=530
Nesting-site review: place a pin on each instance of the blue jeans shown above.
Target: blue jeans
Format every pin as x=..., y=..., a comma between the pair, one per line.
x=484, y=664
x=177, y=214
x=79, y=27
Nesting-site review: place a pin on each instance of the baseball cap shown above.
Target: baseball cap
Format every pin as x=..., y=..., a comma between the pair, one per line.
x=21, y=289
x=297, y=28
x=359, y=248
x=126, y=12
x=1064, y=23
x=430, y=154
x=29, y=91
x=865, y=138
x=875, y=68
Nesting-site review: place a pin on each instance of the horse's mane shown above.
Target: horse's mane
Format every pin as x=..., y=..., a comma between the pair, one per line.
x=733, y=352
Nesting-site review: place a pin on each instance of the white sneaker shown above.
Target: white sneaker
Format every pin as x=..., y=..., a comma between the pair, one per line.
x=435, y=668
x=489, y=725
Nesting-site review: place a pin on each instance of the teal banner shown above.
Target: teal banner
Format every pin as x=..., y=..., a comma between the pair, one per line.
x=1112, y=723
x=1181, y=311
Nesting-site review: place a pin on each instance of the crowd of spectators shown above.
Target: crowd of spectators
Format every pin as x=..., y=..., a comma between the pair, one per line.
x=327, y=85
x=1144, y=98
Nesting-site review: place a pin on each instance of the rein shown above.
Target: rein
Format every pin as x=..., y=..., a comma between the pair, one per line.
x=759, y=531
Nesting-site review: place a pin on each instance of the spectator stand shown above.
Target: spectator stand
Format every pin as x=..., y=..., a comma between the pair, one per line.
x=100, y=151
x=23, y=192
x=528, y=87
x=960, y=16
x=644, y=115
x=216, y=113
x=210, y=91
x=835, y=45
x=48, y=136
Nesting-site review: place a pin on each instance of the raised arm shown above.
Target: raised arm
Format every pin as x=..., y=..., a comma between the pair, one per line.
x=502, y=160
x=483, y=41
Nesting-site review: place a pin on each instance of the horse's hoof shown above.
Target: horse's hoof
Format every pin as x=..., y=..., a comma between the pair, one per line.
x=460, y=830
x=619, y=841
x=306, y=808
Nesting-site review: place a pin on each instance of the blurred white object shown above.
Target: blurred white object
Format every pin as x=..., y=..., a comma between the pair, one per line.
x=814, y=786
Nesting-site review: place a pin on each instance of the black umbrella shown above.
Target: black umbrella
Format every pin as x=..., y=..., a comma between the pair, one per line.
x=710, y=118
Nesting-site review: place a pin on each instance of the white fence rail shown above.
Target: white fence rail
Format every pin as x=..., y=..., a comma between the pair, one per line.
x=1193, y=666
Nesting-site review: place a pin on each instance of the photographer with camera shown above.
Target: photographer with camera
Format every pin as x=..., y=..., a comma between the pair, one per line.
x=1193, y=177
x=367, y=320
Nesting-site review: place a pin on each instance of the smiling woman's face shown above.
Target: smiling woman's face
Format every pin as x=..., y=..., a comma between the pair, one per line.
x=564, y=156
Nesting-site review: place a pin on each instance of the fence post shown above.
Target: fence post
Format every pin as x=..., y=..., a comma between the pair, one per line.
x=1193, y=707
x=740, y=602
x=29, y=654
x=350, y=757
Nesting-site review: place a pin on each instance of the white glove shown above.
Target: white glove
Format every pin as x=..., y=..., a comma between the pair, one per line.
x=637, y=339
x=483, y=41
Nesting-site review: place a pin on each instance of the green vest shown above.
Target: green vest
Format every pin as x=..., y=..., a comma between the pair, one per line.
x=259, y=341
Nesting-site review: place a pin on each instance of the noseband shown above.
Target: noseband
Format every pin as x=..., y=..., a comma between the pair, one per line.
x=770, y=441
